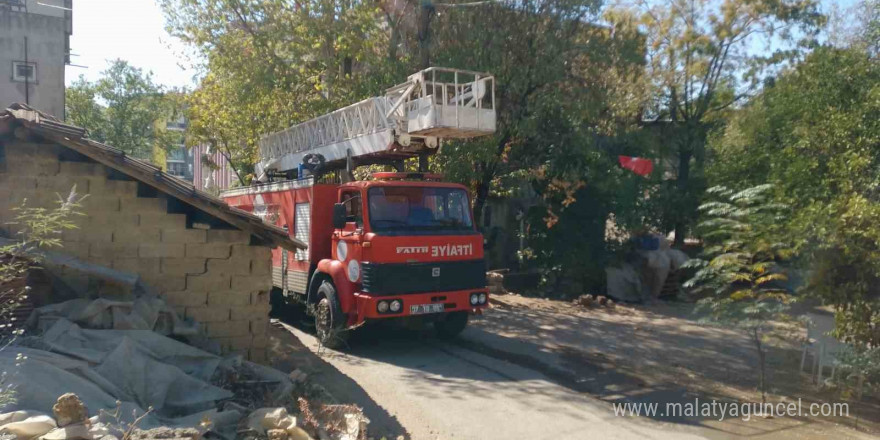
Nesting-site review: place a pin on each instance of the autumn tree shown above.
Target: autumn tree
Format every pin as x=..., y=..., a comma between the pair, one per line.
x=702, y=61
x=270, y=64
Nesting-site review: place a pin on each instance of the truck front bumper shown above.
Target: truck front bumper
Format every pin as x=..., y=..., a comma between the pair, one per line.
x=455, y=301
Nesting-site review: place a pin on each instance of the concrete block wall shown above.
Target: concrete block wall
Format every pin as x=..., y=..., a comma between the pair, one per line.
x=212, y=276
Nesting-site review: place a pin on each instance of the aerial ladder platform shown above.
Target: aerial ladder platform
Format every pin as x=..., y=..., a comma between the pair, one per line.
x=410, y=120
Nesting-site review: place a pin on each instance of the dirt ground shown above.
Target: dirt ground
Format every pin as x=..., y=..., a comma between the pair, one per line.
x=659, y=352
x=531, y=362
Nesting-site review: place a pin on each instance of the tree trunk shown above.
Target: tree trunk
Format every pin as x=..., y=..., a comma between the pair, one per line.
x=426, y=12
x=482, y=193
x=682, y=182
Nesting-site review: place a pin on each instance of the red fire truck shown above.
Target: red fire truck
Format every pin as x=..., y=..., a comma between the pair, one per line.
x=393, y=245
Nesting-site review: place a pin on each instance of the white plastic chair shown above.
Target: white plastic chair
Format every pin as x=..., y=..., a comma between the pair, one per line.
x=823, y=346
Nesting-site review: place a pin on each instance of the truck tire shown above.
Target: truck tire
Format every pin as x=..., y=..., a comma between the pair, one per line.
x=329, y=320
x=451, y=325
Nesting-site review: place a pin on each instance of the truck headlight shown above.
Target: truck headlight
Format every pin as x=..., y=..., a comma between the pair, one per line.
x=483, y=298
x=354, y=271
x=382, y=307
x=396, y=305
x=475, y=299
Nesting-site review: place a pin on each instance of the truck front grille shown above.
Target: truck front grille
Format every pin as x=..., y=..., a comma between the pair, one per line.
x=401, y=278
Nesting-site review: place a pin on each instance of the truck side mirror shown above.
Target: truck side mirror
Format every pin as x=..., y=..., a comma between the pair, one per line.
x=338, y=215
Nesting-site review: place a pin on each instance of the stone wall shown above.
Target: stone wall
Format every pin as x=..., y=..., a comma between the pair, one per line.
x=211, y=275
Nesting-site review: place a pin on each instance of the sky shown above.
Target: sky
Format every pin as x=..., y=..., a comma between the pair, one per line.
x=134, y=30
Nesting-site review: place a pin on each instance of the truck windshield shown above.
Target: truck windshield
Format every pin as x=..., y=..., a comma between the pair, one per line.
x=419, y=209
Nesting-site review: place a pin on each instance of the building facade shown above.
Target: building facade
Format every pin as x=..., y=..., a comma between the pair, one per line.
x=179, y=159
x=34, y=49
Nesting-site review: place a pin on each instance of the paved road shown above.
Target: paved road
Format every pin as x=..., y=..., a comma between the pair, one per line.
x=425, y=389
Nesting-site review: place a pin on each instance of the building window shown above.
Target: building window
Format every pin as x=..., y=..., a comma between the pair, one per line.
x=24, y=72
x=176, y=168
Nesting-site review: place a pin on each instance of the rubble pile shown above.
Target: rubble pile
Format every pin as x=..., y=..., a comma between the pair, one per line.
x=124, y=379
x=589, y=301
x=496, y=282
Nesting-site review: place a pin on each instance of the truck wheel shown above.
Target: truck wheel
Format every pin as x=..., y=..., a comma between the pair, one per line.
x=451, y=325
x=329, y=320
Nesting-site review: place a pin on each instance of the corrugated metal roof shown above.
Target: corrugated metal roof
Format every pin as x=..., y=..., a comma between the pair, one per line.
x=21, y=115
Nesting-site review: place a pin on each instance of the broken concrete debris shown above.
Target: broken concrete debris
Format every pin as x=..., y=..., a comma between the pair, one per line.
x=591, y=301
x=69, y=410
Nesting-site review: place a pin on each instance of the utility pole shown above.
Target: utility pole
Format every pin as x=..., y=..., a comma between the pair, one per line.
x=27, y=85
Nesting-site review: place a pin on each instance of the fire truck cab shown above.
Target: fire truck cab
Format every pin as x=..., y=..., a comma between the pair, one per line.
x=402, y=245
x=396, y=245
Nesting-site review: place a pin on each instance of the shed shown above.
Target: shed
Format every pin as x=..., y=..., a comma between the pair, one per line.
x=212, y=262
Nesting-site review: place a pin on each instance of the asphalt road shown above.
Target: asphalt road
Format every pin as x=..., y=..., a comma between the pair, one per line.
x=414, y=385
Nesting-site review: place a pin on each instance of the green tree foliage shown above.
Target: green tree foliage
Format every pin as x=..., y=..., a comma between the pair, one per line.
x=738, y=278
x=815, y=135
x=701, y=61
x=124, y=109
x=568, y=92
x=269, y=64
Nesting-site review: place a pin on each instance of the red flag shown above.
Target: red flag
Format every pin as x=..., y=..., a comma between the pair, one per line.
x=638, y=165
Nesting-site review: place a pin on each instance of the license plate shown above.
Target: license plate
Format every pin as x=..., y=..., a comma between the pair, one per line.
x=421, y=309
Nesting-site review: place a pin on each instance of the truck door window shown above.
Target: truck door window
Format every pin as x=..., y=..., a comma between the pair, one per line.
x=352, y=202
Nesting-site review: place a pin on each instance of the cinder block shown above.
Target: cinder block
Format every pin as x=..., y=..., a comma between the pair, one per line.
x=81, y=169
x=228, y=298
x=208, y=314
x=164, y=221
x=259, y=326
x=63, y=184
x=250, y=312
x=91, y=235
x=261, y=267
x=138, y=265
x=251, y=283
x=14, y=182
x=145, y=205
x=258, y=355
x=121, y=188
x=161, y=250
x=28, y=162
x=165, y=282
x=229, y=266
x=227, y=328
x=232, y=236
x=136, y=234
x=92, y=205
x=207, y=283
x=207, y=250
x=188, y=299
x=261, y=341
x=259, y=297
x=181, y=266
x=113, y=220
x=113, y=250
x=240, y=342
x=183, y=235
x=251, y=252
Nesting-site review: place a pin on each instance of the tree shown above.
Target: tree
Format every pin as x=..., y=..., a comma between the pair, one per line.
x=700, y=64
x=567, y=98
x=815, y=135
x=271, y=64
x=124, y=108
x=738, y=278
